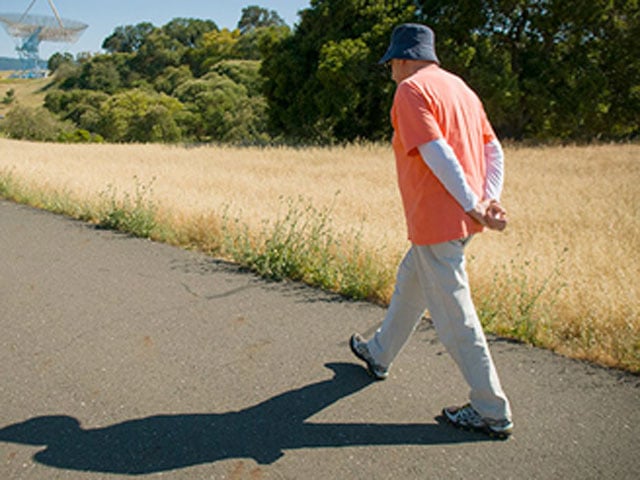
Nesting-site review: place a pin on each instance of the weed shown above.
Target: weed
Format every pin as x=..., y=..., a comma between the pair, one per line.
x=134, y=215
x=300, y=245
x=519, y=304
x=9, y=97
x=7, y=184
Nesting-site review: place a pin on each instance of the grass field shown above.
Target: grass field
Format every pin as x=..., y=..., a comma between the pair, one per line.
x=27, y=92
x=563, y=275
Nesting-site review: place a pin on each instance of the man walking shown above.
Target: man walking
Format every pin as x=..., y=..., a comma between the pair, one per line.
x=450, y=173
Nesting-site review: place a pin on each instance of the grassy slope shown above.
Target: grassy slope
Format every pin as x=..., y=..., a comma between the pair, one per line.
x=28, y=92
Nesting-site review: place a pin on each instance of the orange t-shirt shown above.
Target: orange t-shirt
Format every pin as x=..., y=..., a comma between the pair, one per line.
x=429, y=105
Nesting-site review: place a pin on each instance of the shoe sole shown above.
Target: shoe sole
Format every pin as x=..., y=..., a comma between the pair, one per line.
x=369, y=369
x=486, y=430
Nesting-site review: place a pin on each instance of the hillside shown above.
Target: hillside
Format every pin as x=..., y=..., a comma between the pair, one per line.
x=27, y=92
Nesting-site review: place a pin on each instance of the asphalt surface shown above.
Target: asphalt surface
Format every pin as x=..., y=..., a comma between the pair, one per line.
x=120, y=357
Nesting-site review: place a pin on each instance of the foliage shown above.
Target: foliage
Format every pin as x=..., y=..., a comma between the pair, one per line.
x=134, y=215
x=66, y=75
x=80, y=136
x=58, y=59
x=256, y=43
x=256, y=17
x=188, y=31
x=216, y=46
x=139, y=116
x=321, y=83
x=185, y=80
x=221, y=109
x=520, y=302
x=242, y=72
x=171, y=78
x=127, y=39
x=9, y=97
x=34, y=124
x=546, y=71
x=300, y=245
x=79, y=106
x=105, y=73
x=157, y=52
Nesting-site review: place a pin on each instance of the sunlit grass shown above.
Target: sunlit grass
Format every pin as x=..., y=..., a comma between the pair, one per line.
x=26, y=92
x=563, y=275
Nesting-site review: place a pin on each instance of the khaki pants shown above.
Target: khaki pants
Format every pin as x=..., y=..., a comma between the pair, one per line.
x=433, y=277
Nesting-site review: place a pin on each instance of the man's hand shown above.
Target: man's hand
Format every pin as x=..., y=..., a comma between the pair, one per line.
x=490, y=214
x=496, y=216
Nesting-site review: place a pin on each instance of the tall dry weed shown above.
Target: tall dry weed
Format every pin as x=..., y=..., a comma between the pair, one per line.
x=566, y=268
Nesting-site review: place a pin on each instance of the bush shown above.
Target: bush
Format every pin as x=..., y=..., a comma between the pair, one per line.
x=219, y=109
x=39, y=124
x=140, y=116
x=82, y=107
x=58, y=59
x=242, y=72
x=135, y=215
x=80, y=136
x=67, y=75
x=9, y=97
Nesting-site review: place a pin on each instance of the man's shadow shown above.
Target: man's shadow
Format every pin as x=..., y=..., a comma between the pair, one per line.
x=261, y=432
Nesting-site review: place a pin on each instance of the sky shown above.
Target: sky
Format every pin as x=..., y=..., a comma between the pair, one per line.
x=103, y=16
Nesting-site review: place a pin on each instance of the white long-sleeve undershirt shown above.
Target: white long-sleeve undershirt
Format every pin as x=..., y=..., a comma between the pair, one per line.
x=441, y=160
x=494, y=158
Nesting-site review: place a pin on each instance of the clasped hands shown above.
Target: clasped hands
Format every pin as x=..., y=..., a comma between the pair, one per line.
x=490, y=214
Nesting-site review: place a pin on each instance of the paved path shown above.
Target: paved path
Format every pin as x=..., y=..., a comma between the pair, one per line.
x=122, y=357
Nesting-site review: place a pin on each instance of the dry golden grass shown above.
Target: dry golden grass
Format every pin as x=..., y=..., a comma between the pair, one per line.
x=27, y=92
x=192, y=182
x=574, y=218
x=585, y=200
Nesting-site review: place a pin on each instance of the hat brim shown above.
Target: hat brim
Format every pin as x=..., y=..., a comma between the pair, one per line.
x=388, y=55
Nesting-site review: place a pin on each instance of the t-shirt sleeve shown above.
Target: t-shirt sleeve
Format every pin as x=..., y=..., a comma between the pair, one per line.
x=415, y=123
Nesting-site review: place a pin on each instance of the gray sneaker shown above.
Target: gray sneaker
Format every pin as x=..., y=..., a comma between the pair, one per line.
x=467, y=418
x=359, y=348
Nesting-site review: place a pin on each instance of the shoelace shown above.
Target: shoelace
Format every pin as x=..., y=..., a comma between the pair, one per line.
x=468, y=414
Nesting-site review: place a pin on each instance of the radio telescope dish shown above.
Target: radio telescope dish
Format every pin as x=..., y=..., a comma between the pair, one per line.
x=30, y=30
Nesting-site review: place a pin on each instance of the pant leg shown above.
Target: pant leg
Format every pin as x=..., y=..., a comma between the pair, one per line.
x=405, y=310
x=443, y=277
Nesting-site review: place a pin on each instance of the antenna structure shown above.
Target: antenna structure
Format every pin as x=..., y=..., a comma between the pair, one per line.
x=30, y=30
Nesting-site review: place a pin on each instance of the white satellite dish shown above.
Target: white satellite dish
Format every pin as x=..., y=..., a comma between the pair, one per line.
x=30, y=30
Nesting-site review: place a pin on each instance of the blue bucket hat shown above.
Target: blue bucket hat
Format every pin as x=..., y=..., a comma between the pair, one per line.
x=411, y=41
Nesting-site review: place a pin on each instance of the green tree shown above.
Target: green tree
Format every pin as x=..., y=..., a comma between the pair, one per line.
x=257, y=17
x=189, y=31
x=127, y=39
x=214, y=47
x=322, y=83
x=26, y=123
x=242, y=72
x=256, y=43
x=67, y=76
x=139, y=116
x=171, y=78
x=546, y=69
x=190, y=34
x=58, y=59
x=82, y=107
x=158, y=52
x=106, y=73
x=220, y=109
